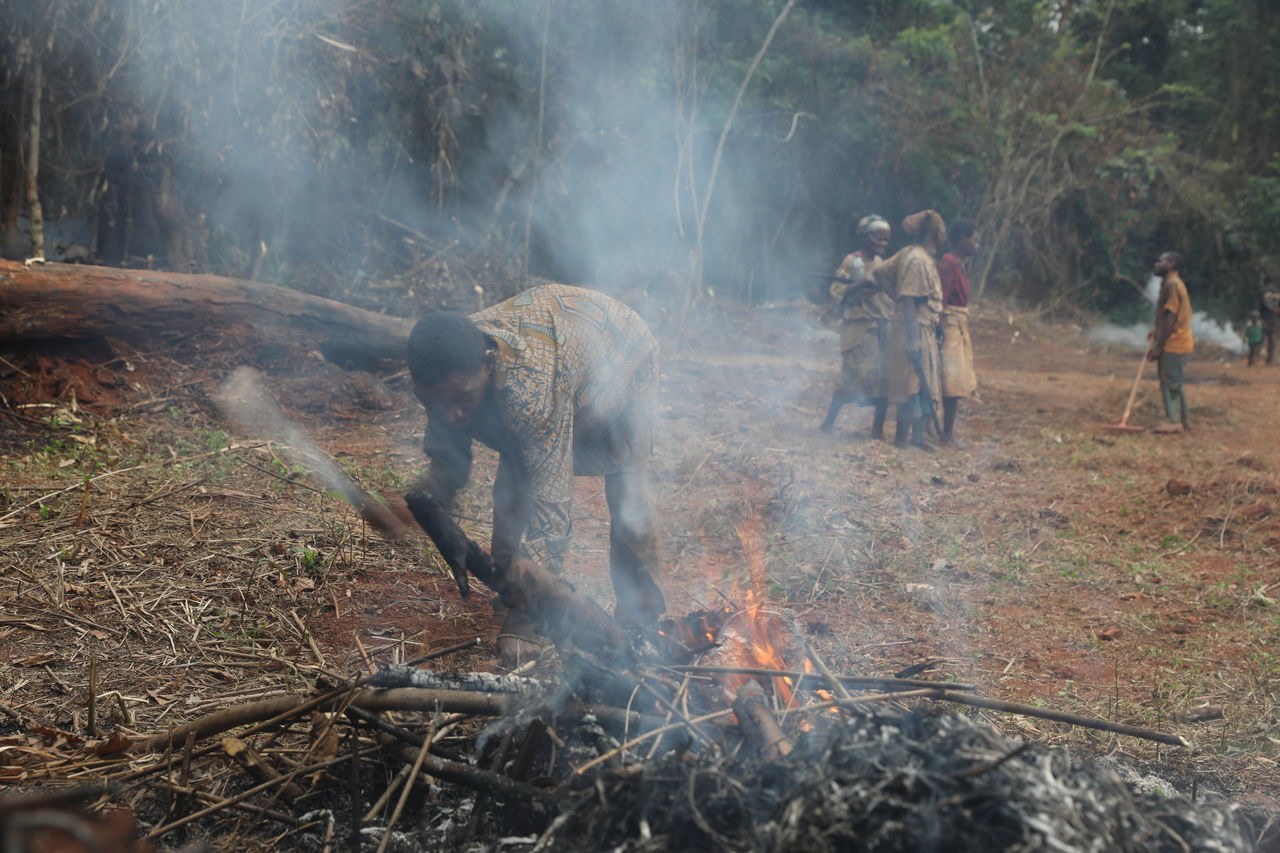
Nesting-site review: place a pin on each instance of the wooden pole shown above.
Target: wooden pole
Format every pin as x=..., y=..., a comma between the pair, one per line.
x=34, y=211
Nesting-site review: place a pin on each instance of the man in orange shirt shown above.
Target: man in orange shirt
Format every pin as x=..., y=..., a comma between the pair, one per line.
x=1171, y=340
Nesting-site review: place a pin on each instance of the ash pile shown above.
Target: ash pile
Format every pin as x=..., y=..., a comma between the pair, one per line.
x=886, y=778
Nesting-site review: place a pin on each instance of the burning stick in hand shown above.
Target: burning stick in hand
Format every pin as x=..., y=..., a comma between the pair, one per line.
x=244, y=402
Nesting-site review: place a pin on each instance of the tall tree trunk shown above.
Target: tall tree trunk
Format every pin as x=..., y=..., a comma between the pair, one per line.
x=33, y=163
x=11, y=175
x=724, y=135
x=537, y=140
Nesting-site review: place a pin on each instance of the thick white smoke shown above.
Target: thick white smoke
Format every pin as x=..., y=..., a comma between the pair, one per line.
x=1134, y=337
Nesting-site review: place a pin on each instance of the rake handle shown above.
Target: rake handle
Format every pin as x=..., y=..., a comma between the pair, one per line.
x=1133, y=392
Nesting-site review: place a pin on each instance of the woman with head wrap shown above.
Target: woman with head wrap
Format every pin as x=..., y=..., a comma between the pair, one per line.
x=911, y=278
x=864, y=314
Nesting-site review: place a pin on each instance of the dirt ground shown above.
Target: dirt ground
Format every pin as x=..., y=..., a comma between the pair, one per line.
x=1132, y=577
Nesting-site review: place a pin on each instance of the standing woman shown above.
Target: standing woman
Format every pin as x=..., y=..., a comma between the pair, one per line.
x=864, y=313
x=911, y=278
x=958, y=379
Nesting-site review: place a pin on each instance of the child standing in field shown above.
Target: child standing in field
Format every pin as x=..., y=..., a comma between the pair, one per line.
x=1253, y=336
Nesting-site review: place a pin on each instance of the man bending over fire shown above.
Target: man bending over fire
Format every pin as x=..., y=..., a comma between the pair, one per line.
x=560, y=381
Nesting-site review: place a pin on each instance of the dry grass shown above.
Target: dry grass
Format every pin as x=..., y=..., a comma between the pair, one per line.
x=193, y=569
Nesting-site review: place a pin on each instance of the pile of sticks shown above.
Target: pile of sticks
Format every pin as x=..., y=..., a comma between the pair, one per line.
x=512, y=751
x=355, y=760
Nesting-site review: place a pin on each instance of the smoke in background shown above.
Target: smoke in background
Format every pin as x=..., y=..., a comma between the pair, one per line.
x=369, y=137
x=1134, y=337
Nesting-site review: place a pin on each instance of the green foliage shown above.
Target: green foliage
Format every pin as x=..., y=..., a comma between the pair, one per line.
x=415, y=138
x=929, y=50
x=1261, y=209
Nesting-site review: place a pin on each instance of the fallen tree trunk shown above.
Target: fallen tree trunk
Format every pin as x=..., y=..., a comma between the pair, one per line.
x=76, y=301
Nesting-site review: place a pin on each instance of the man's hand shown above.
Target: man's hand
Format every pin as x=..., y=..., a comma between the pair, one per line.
x=1153, y=354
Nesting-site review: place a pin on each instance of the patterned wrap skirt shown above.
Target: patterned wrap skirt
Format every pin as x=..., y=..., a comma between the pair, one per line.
x=958, y=378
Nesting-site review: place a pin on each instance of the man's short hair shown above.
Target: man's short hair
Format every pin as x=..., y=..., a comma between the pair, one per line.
x=445, y=344
x=960, y=229
x=1175, y=258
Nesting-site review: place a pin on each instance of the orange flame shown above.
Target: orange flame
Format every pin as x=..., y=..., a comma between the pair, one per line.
x=760, y=648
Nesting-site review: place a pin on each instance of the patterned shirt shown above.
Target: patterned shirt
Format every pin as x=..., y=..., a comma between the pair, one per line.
x=572, y=364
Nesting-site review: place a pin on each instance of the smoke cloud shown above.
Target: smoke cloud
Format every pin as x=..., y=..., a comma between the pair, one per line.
x=1134, y=337
x=363, y=137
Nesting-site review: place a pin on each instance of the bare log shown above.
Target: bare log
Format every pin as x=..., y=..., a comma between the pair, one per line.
x=80, y=301
x=221, y=721
x=290, y=705
x=371, y=700
x=757, y=722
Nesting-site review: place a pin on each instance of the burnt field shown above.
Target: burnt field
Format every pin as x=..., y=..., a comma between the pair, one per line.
x=159, y=568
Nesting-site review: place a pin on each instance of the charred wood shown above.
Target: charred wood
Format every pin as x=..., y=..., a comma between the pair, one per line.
x=399, y=675
x=257, y=767
x=562, y=614
x=229, y=802
x=400, y=733
x=479, y=779
x=810, y=679
x=758, y=724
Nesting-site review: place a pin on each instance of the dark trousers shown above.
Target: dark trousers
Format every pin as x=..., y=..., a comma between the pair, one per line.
x=1172, y=367
x=1253, y=352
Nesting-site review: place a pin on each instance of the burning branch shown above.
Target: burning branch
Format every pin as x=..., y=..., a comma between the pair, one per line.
x=561, y=613
x=758, y=724
x=804, y=679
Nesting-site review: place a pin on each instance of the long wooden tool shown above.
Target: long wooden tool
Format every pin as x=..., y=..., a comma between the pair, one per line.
x=1124, y=426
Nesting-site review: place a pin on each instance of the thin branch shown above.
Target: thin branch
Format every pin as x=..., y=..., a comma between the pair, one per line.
x=724, y=135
